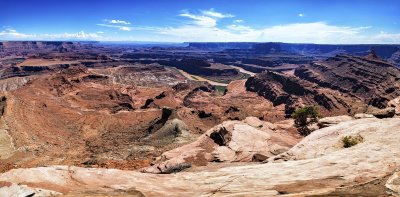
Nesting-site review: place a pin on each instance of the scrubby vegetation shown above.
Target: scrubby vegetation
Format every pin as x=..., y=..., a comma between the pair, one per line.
x=220, y=89
x=349, y=141
x=305, y=116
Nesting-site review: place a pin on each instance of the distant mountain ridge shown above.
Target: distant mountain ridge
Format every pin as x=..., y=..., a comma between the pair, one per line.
x=388, y=52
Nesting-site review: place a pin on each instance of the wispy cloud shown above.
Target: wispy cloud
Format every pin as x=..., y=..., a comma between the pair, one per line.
x=119, y=24
x=205, y=28
x=9, y=32
x=79, y=35
x=212, y=13
x=206, y=18
x=317, y=32
x=12, y=34
x=123, y=28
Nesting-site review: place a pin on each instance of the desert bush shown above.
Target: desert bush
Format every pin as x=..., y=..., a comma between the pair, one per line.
x=349, y=141
x=305, y=116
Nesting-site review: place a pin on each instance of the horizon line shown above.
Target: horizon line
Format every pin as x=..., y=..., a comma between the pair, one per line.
x=187, y=42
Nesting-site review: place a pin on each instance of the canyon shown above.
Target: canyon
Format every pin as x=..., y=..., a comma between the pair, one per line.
x=197, y=119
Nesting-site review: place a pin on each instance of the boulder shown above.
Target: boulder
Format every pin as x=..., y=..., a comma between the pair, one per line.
x=329, y=121
x=388, y=112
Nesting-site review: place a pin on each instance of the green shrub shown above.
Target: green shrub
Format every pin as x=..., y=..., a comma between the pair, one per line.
x=221, y=89
x=349, y=141
x=305, y=116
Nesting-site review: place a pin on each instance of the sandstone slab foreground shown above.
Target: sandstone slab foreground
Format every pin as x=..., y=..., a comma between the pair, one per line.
x=319, y=164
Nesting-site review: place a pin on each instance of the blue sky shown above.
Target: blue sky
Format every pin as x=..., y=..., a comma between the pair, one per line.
x=306, y=21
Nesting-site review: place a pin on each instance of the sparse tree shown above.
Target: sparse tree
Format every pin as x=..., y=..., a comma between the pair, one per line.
x=305, y=116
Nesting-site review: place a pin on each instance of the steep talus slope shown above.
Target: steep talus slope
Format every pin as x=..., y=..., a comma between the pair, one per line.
x=341, y=84
x=322, y=166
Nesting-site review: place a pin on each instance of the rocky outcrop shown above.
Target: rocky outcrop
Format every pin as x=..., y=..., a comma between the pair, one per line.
x=22, y=71
x=292, y=92
x=319, y=166
x=231, y=141
x=342, y=84
x=37, y=47
x=371, y=79
x=388, y=112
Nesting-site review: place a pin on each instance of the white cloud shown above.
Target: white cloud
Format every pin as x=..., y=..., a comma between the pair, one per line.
x=207, y=18
x=12, y=34
x=204, y=21
x=118, y=22
x=214, y=14
x=207, y=34
x=122, y=28
x=384, y=37
x=204, y=28
x=125, y=28
x=79, y=35
x=240, y=28
x=317, y=32
x=301, y=14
